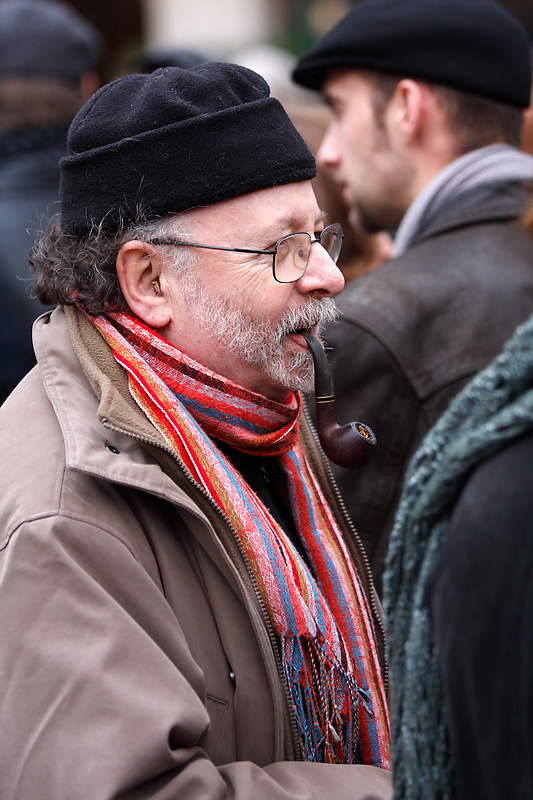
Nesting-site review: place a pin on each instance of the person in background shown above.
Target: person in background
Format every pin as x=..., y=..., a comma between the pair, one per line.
x=427, y=102
x=360, y=251
x=460, y=566
x=48, y=54
x=185, y=611
x=526, y=142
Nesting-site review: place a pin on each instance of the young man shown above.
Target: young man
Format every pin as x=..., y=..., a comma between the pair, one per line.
x=186, y=613
x=427, y=101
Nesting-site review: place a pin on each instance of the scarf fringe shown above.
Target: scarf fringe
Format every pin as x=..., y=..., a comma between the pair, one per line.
x=324, y=700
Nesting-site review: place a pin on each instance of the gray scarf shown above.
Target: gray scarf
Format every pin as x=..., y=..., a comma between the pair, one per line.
x=495, y=408
x=497, y=162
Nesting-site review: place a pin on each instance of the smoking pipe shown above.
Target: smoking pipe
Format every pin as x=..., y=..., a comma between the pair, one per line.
x=351, y=445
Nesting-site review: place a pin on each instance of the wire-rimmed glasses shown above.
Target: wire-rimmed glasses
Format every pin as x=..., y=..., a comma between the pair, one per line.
x=291, y=253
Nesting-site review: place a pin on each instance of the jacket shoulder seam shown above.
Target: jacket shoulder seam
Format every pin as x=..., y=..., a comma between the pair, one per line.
x=85, y=519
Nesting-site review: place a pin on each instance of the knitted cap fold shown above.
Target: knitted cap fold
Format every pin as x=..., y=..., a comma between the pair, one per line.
x=174, y=140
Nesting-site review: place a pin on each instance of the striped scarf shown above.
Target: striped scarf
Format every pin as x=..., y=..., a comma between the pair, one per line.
x=322, y=623
x=495, y=408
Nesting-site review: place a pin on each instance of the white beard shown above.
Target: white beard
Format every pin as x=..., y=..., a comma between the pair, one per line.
x=254, y=339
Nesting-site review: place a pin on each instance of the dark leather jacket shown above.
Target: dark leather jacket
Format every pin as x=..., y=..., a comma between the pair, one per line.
x=415, y=330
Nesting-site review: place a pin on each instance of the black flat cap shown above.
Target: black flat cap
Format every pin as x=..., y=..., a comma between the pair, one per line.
x=472, y=45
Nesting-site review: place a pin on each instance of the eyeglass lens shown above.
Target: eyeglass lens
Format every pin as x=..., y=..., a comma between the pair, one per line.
x=294, y=250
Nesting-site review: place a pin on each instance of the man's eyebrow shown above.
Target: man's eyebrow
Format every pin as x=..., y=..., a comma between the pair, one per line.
x=284, y=222
x=293, y=222
x=288, y=223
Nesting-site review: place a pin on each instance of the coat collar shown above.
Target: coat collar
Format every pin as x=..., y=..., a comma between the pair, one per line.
x=101, y=424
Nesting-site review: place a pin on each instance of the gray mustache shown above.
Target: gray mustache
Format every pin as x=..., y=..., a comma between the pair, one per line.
x=314, y=314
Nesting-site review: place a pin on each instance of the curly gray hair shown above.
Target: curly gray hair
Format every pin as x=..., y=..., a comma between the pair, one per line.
x=73, y=270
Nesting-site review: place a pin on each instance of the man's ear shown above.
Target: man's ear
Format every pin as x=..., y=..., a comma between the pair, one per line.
x=407, y=109
x=141, y=279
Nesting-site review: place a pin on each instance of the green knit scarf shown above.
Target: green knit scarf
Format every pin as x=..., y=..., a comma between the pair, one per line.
x=495, y=408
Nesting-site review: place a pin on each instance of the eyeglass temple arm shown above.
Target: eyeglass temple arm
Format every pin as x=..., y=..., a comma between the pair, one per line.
x=161, y=242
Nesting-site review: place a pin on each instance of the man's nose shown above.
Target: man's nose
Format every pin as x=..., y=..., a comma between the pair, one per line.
x=327, y=156
x=322, y=276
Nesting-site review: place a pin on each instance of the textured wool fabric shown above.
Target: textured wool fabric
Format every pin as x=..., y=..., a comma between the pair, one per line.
x=473, y=45
x=44, y=37
x=494, y=409
x=174, y=140
x=323, y=624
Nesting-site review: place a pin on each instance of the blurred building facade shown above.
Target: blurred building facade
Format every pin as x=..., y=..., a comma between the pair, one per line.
x=218, y=27
x=234, y=24
x=221, y=27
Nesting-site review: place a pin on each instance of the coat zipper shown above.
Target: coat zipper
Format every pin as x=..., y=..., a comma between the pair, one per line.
x=356, y=542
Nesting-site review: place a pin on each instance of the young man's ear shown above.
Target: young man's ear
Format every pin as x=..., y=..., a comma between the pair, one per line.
x=423, y=129
x=407, y=109
x=143, y=285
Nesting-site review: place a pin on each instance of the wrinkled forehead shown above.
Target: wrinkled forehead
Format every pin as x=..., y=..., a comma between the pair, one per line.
x=289, y=207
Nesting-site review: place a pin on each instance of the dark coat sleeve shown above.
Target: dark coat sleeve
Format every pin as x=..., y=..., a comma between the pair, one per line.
x=480, y=595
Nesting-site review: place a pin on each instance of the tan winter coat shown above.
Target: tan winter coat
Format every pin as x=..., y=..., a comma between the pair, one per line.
x=135, y=659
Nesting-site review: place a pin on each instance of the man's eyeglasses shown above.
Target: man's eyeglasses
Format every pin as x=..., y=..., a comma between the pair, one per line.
x=291, y=253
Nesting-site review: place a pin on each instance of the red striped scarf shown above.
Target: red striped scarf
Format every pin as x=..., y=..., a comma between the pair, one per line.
x=322, y=620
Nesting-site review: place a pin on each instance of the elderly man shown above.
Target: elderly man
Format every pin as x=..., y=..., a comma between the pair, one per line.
x=186, y=613
x=427, y=102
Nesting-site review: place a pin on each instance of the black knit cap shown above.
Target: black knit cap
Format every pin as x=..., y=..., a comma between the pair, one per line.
x=174, y=140
x=472, y=45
